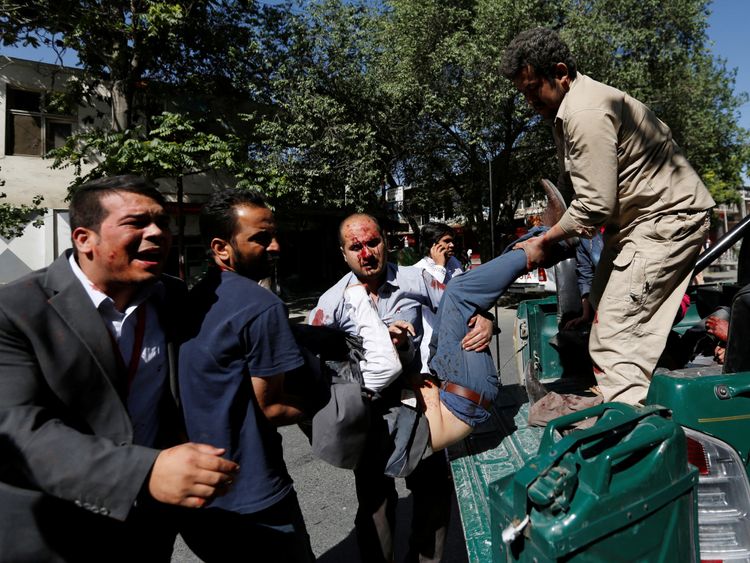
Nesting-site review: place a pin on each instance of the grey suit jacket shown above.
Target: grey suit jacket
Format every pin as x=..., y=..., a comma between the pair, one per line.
x=67, y=460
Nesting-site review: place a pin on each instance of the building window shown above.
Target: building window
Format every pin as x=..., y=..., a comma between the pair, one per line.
x=30, y=130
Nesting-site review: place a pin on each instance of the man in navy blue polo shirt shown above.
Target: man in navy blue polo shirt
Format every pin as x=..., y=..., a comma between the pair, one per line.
x=232, y=365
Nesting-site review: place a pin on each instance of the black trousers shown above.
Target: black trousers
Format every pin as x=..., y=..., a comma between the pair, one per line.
x=276, y=534
x=431, y=487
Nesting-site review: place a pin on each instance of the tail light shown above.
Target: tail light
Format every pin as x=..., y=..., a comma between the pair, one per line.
x=542, y=275
x=723, y=500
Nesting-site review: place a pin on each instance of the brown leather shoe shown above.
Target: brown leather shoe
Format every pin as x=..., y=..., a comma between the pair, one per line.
x=551, y=216
x=555, y=203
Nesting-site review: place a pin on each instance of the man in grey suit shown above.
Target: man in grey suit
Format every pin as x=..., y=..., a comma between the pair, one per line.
x=86, y=380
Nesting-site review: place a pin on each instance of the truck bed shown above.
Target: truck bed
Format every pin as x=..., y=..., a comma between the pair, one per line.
x=506, y=442
x=496, y=449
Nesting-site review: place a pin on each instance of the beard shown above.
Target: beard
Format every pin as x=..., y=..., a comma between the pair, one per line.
x=255, y=268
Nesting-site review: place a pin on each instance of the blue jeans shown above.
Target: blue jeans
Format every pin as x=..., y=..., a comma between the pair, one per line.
x=465, y=295
x=472, y=292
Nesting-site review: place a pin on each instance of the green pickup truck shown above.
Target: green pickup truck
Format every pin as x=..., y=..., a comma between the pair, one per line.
x=667, y=482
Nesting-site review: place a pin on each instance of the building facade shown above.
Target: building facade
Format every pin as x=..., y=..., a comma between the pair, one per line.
x=34, y=120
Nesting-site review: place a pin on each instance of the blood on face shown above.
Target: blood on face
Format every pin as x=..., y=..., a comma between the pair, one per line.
x=363, y=247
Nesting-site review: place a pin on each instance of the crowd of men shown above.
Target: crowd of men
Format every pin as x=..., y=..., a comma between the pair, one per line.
x=131, y=410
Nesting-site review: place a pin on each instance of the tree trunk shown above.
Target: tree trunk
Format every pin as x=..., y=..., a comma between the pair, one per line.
x=414, y=227
x=120, y=106
x=181, y=230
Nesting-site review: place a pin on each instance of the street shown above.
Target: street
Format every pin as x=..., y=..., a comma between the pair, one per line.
x=327, y=497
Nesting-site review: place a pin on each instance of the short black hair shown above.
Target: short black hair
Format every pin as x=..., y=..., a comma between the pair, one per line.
x=218, y=218
x=358, y=216
x=85, y=209
x=542, y=49
x=431, y=233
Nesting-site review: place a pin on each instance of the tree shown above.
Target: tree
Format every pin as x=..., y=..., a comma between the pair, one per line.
x=14, y=218
x=669, y=67
x=174, y=147
x=408, y=92
x=195, y=57
x=129, y=47
x=341, y=99
x=321, y=144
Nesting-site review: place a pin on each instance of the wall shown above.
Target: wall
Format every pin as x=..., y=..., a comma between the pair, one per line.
x=27, y=176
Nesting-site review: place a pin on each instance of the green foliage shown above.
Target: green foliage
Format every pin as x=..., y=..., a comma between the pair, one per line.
x=173, y=147
x=328, y=102
x=661, y=57
x=408, y=92
x=14, y=218
x=133, y=49
x=321, y=143
x=193, y=57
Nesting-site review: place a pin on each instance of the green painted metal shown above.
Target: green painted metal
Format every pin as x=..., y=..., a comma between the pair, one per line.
x=540, y=316
x=494, y=451
x=621, y=490
x=690, y=319
x=718, y=405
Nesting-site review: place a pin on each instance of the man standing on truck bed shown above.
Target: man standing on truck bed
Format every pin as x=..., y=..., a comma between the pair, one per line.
x=626, y=173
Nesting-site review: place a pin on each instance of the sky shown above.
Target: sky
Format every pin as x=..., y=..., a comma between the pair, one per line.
x=728, y=32
x=727, y=35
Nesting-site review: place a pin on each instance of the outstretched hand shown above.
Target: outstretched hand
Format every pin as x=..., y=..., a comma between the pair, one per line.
x=190, y=474
x=535, y=252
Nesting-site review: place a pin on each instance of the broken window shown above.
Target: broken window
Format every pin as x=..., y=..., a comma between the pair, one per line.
x=29, y=129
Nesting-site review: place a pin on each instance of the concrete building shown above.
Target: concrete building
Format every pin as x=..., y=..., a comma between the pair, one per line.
x=33, y=121
x=30, y=128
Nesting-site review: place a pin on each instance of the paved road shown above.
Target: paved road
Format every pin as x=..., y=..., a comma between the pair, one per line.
x=327, y=496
